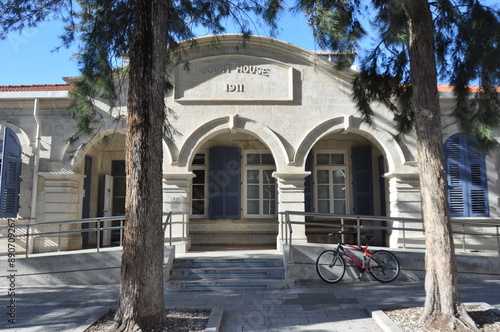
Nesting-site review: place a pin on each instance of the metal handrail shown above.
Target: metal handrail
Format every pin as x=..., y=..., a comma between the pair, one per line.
x=29, y=234
x=463, y=222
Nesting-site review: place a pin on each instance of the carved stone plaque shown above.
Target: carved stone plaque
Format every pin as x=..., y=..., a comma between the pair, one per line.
x=233, y=78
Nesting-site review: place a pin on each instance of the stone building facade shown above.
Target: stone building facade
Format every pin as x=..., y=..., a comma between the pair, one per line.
x=262, y=127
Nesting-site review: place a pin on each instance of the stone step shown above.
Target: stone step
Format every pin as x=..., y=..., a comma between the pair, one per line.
x=227, y=273
x=226, y=284
x=226, y=262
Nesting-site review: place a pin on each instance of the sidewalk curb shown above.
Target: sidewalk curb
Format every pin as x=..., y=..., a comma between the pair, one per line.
x=384, y=322
x=387, y=325
x=215, y=320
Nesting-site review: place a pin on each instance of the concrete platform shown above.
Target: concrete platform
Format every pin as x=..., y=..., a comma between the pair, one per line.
x=88, y=267
x=314, y=306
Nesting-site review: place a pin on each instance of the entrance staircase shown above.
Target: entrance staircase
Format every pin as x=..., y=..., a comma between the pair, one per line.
x=227, y=273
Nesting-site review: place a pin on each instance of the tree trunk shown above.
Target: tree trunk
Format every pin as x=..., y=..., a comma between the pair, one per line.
x=141, y=303
x=443, y=304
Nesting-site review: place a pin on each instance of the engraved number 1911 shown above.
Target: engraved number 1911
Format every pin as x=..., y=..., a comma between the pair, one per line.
x=235, y=88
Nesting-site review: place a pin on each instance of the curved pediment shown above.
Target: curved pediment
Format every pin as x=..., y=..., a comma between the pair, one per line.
x=233, y=69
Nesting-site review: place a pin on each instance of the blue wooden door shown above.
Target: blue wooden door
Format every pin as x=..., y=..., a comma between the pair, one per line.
x=225, y=183
x=362, y=181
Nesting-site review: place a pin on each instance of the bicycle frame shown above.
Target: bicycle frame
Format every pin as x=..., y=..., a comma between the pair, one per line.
x=352, y=257
x=331, y=264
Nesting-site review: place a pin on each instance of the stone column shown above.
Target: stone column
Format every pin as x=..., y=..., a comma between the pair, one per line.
x=291, y=198
x=177, y=199
x=405, y=202
x=60, y=198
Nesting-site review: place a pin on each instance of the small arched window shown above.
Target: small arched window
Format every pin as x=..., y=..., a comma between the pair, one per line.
x=10, y=174
x=466, y=178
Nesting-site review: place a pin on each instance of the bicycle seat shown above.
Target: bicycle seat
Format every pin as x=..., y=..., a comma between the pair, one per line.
x=368, y=237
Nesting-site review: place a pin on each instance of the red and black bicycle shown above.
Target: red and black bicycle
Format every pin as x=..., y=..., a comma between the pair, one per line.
x=331, y=264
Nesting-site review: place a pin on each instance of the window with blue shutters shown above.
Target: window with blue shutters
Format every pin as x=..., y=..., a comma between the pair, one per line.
x=10, y=174
x=466, y=178
x=225, y=183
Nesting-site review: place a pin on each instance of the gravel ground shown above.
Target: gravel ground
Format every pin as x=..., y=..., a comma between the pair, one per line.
x=176, y=321
x=407, y=319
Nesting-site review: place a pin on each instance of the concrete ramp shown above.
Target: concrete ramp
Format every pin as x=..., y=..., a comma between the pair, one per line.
x=83, y=267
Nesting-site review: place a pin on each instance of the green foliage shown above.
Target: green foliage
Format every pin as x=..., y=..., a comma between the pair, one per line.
x=466, y=34
x=476, y=55
x=16, y=15
x=103, y=30
x=335, y=24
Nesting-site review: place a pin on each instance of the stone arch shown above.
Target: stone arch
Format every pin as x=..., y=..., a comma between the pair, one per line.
x=228, y=124
x=394, y=151
x=75, y=153
x=75, y=157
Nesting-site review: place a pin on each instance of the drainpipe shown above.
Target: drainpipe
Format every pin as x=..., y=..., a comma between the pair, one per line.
x=35, y=170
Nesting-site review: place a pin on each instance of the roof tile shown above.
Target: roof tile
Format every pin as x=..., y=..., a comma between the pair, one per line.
x=35, y=87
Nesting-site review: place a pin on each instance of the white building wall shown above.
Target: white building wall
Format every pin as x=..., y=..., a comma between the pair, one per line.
x=287, y=99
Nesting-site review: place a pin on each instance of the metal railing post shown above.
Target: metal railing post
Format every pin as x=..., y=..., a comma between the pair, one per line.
x=498, y=240
x=463, y=238
x=170, y=228
x=59, y=239
x=358, y=230
x=98, y=235
x=287, y=220
x=404, y=235
x=122, y=224
x=184, y=224
x=280, y=227
x=27, y=240
x=342, y=228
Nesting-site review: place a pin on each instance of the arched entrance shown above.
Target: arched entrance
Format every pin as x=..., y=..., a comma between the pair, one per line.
x=102, y=161
x=346, y=178
x=233, y=194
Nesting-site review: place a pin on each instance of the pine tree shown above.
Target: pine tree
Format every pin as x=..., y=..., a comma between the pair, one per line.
x=417, y=40
x=147, y=32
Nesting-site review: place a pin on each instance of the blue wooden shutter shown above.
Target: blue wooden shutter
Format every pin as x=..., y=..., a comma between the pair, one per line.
x=477, y=189
x=225, y=183
x=466, y=178
x=362, y=180
x=455, y=177
x=10, y=175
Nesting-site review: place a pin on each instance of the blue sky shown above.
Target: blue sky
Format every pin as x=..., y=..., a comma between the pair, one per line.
x=29, y=58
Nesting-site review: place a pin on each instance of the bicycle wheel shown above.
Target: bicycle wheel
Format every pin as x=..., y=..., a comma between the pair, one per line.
x=330, y=266
x=384, y=266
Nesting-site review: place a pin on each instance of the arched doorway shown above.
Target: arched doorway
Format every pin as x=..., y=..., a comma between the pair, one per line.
x=346, y=178
x=104, y=184
x=233, y=194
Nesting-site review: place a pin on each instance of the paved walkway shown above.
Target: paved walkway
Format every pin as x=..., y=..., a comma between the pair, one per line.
x=309, y=307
